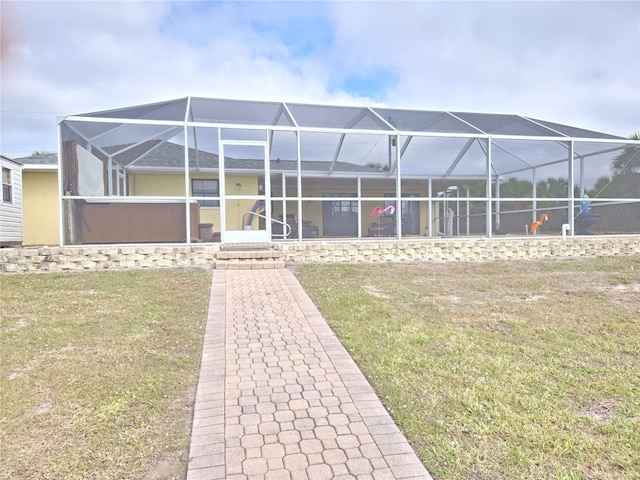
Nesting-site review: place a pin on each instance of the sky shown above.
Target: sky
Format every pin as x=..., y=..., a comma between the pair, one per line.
x=576, y=63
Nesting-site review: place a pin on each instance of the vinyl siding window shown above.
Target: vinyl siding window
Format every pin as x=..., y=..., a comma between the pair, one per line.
x=7, y=188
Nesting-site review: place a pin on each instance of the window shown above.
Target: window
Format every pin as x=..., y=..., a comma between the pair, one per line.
x=340, y=217
x=7, y=193
x=205, y=188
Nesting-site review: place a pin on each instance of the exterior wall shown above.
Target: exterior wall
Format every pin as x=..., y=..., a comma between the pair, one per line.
x=157, y=185
x=41, y=217
x=173, y=185
x=40, y=208
x=11, y=212
x=68, y=259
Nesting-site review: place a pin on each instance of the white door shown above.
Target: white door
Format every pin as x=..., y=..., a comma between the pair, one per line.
x=245, y=213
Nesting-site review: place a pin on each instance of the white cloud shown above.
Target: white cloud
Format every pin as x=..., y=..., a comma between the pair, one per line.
x=569, y=62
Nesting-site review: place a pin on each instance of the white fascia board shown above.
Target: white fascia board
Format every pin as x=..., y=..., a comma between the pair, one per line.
x=7, y=159
x=40, y=168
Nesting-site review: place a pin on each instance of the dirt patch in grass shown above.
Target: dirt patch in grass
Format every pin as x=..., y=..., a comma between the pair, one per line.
x=499, y=370
x=373, y=290
x=98, y=371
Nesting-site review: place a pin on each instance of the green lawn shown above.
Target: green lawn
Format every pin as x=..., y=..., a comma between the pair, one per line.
x=499, y=370
x=98, y=372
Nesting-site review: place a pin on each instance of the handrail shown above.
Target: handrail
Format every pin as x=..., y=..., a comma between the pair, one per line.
x=273, y=220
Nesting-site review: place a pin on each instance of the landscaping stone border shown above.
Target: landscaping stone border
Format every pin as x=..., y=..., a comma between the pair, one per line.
x=82, y=258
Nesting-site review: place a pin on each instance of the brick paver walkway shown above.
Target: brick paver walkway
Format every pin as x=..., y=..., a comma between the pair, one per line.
x=279, y=397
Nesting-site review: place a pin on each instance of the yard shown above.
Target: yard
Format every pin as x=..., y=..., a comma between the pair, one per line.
x=499, y=370
x=98, y=373
x=494, y=370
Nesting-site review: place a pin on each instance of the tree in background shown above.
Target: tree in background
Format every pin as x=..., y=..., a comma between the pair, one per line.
x=629, y=160
x=598, y=188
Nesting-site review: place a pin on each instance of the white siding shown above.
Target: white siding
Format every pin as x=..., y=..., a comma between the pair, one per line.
x=11, y=213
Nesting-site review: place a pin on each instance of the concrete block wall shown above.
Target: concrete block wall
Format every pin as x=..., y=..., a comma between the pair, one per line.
x=481, y=249
x=73, y=259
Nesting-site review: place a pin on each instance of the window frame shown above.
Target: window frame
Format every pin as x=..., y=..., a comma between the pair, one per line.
x=7, y=185
x=203, y=192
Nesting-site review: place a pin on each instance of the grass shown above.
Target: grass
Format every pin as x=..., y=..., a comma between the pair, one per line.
x=98, y=372
x=499, y=370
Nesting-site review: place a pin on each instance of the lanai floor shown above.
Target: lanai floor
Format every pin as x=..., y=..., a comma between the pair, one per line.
x=279, y=397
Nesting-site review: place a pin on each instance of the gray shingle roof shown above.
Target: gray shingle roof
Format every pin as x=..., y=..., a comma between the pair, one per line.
x=169, y=155
x=49, y=158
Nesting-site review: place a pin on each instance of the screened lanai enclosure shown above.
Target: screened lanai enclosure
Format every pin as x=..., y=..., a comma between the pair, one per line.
x=213, y=170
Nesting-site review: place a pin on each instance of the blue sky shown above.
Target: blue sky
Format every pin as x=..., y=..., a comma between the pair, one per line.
x=570, y=62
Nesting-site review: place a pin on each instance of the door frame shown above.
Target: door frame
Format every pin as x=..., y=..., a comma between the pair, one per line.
x=243, y=235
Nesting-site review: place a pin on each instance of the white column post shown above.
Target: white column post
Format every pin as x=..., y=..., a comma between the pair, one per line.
x=398, y=190
x=489, y=213
x=299, y=184
x=187, y=189
x=571, y=195
x=61, y=188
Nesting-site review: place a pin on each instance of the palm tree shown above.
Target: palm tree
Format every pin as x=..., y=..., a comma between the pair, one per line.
x=629, y=160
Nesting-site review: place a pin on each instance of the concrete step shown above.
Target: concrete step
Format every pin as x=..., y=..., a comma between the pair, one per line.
x=240, y=247
x=235, y=264
x=249, y=255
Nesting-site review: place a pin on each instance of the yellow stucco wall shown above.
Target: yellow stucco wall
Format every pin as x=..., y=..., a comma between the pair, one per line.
x=156, y=185
x=173, y=185
x=40, y=208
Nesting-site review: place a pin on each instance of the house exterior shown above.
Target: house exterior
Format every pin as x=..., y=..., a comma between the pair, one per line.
x=199, y=169
x=11, y=202
x=40, y=199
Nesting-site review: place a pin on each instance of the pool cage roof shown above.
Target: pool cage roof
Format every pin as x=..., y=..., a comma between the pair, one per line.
x=132, y=133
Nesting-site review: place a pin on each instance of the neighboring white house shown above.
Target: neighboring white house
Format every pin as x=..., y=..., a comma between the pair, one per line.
x=11, y=203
